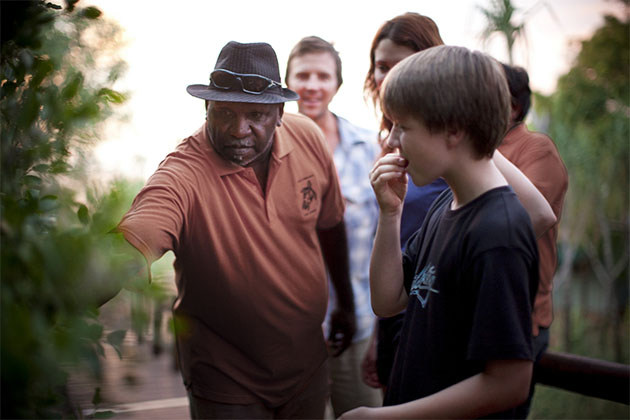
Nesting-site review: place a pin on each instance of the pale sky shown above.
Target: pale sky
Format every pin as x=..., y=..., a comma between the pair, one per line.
x=171, y=44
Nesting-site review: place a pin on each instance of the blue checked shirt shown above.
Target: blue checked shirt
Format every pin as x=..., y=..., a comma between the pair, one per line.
x=354, y=157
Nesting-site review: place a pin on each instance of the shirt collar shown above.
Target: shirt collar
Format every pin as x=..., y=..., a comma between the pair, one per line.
x=348, y=135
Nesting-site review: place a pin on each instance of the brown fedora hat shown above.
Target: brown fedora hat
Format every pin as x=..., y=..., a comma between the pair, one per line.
x=245, y=73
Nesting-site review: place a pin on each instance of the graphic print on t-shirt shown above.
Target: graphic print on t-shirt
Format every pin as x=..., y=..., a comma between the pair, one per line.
x=309, y=196
x=422, y=285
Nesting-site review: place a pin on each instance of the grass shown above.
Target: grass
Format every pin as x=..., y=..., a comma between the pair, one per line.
x=591, y=336
x=553, y=403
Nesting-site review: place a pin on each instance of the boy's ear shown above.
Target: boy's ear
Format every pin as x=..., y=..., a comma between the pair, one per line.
x=454, y=137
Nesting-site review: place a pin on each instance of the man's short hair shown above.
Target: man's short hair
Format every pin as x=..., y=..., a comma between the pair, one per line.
x=314, y=45
x=518, y=83
x=449, y=87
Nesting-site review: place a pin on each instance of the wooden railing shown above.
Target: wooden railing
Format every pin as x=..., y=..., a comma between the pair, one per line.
x=585, y=375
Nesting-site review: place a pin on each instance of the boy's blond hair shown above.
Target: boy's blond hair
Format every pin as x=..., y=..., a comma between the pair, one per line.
x=449, y=87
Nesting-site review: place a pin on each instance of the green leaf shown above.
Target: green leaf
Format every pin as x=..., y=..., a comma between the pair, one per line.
x=32, y=180
x=42, y=167
x=111, y=95
x=88, y=110
x=104, y=414
x=91, y=12
x=32, y=195
x=83, y=214
x=96, y=398
x=59, y=166
x=93, y=332
x=72, y=87
x=48, y=202
x=43, y=68
x=115, y=339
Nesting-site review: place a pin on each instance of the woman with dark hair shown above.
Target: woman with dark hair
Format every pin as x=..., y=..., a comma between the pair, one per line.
x=395, y=40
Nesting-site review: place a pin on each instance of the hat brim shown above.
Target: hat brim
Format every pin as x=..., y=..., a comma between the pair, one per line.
x=210, y=93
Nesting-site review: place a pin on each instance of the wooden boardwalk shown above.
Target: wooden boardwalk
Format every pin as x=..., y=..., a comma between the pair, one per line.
x=141, y=385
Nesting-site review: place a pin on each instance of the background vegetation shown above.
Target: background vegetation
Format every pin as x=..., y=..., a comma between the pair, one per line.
x=588, y=117
x=57, y=69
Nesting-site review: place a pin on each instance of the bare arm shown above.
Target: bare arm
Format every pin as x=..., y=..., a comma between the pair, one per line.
x=539, y=210
x=502, y=385
x=386, y=272
x=389, y=182
x=334, y=246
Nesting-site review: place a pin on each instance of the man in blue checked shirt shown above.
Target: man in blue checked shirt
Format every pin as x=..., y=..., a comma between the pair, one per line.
x=314, y=72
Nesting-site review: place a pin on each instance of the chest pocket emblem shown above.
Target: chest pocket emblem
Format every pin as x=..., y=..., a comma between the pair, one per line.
x=309, y=196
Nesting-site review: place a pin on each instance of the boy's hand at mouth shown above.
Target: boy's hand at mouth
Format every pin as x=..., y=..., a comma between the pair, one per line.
x=389, y=182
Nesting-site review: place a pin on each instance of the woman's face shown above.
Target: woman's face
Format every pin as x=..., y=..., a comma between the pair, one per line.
x=386, y=55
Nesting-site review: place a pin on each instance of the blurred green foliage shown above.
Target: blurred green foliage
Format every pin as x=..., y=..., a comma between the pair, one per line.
x=553, y=403
x=589, y=120
x=588, y=117
x=58, y=67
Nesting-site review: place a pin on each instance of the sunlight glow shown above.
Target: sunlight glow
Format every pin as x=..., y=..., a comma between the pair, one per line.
x=170, y=45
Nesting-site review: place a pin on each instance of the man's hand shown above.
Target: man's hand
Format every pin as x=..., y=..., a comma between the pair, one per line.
x=342, y=328
x=343, y=324
x=368, y=365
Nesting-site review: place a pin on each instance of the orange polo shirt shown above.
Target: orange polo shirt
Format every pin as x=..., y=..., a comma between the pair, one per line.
x=536, y=155
x=251, y=279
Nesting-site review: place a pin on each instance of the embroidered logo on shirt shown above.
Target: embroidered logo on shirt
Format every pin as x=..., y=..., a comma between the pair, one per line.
x=309, y=196
x=422, y=285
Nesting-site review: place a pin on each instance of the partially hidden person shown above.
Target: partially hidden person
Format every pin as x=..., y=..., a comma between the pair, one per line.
x=395, y=40
x=314, y=71
x=536, y=155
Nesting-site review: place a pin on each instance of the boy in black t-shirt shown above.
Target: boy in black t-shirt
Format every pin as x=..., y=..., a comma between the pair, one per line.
x=469, y=275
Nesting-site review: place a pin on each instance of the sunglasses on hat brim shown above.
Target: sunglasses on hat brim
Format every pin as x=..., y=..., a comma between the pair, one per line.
x=248, y=83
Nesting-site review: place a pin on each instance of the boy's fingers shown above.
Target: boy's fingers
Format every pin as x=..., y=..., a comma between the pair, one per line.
x=386, y=172
x=386, y=177
x=387, y=164
x=395, y=159
x=391, y=160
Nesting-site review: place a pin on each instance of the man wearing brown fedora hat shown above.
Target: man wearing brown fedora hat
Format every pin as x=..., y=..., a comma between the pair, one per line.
x=250, y=205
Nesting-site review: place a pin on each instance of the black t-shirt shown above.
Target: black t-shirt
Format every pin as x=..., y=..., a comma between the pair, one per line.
x=471, y=275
